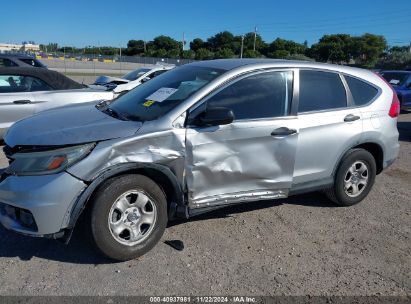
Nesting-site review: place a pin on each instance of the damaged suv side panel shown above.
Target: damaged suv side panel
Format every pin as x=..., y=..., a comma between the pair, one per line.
x=198, y=137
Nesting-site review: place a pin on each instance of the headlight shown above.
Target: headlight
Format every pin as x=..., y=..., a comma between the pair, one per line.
x=47, y=162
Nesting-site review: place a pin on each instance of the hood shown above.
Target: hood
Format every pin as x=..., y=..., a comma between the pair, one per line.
x=107, y=79
x=69, y=125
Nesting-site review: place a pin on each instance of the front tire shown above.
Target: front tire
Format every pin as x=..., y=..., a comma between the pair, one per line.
x=128, y=217
x=354, y=178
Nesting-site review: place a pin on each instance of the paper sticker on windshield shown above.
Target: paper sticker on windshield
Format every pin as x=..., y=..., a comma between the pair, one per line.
x=394, y=81
x=148, y=103
x=161, y=94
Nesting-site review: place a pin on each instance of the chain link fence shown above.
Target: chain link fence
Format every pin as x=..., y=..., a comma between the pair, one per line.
x=110, y=59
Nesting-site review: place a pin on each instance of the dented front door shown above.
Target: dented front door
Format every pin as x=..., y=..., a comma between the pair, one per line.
x=249, y=159
x=242, y=161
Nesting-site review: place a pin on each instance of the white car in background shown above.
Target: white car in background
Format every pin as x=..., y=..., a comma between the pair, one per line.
x=131, y=80
x=27, y=91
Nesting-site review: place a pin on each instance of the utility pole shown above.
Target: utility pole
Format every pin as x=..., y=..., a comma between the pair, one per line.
x=183, y=42
x=120, y=59
x=145, y=47
x=242, y=46
x=65, y=66
x=255, y=36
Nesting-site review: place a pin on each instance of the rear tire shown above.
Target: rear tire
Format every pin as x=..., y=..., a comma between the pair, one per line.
x=354, y=178
x=128, y=217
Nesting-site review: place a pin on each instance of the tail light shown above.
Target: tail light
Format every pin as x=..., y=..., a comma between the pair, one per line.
x=395, y=103
x=395, y=106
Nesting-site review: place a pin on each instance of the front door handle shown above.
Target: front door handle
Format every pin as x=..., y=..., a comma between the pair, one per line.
x=283, y=131
x=351, y=117
x=23, y=101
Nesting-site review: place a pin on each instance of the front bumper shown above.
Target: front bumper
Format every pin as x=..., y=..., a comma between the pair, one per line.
x=49, y=198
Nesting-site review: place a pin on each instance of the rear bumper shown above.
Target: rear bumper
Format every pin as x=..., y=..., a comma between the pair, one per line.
x=47, y=198
x=391, y=154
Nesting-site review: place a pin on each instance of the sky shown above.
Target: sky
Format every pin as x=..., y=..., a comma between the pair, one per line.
x=100, y=23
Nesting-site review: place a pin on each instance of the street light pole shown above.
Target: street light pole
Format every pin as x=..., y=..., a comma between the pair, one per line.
x=255, y=36
x=242, y=46
x=65, y=66
x=120, y=59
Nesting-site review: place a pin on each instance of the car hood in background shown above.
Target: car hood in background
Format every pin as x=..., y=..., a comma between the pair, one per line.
x=68, y=125
x=107, y=79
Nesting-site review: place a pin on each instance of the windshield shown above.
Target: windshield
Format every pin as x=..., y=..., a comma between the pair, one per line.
x=135, y=74
x=158, y=96
x=395, y=78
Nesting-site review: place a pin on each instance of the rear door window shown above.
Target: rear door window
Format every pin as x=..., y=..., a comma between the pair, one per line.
x=321, y=91
x=21, y=83
x=361, y=92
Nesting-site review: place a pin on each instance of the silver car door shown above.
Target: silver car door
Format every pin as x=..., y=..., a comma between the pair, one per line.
x=251, y=158
x=328, y=127
x=15, y=102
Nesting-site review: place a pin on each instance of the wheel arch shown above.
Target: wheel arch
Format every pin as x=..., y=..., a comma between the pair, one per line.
x=374, y=148
x=160, y=174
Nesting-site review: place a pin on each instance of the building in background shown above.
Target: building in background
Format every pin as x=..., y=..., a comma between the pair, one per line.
x=25, y=47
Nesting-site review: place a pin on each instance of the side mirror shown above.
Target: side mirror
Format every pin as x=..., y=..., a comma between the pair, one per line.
x=214, y=117
x=145, y=79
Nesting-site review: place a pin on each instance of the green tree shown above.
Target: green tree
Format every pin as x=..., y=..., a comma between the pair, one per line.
x=174, y=53
x=197, y=44
x=373, y=47
x=134, y=47
x=281, y=48
x=399, y=49
x=398, y=59
x=251, y=54
x=189, y=54
x=249, y=42
x=299, y=57
x=222, y=40
x=165, y=42
x=202, y=54
x=334, y=48
x=160, y=53
x=224, y=53
x=279, y=54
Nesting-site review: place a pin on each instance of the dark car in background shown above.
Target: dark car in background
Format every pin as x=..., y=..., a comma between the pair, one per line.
x=19, y=60
x=401, y=82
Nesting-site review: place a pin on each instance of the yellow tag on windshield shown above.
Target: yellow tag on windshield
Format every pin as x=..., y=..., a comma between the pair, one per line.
x=148, y=103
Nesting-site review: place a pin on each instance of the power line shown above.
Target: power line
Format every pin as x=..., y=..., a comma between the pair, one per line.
x=322, y=22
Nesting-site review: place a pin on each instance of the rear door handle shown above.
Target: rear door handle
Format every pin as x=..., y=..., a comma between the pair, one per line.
x=283, y=131
x=351, y=117
x=23, y=101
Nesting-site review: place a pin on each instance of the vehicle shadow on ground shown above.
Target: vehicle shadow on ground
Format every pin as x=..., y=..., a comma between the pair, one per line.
x=81, y=251
x=315, y=199
x=404, y=128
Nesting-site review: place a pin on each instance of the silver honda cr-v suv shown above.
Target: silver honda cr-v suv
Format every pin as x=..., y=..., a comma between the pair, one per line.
x=196, y=138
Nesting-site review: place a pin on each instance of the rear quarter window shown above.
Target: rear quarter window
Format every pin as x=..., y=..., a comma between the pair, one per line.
x=362, y=92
